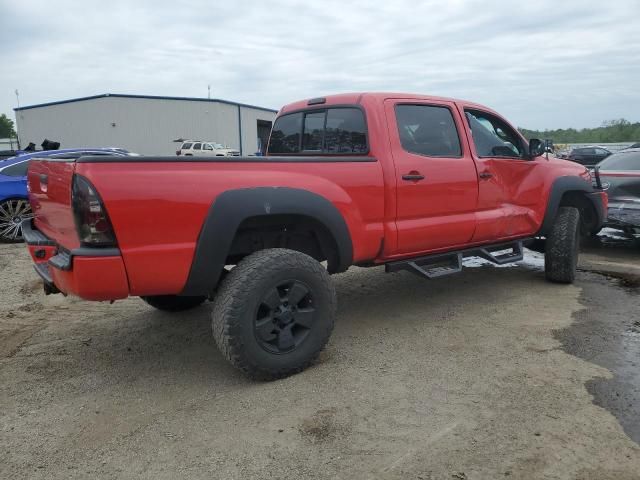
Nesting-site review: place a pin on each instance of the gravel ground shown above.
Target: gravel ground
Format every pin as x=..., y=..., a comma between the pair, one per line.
x=460, y=378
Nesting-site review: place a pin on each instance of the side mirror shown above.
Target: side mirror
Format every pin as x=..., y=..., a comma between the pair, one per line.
x=536, y=147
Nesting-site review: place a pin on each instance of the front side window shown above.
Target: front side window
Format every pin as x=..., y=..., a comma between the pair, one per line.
x=428, y=130
x=16, y=170
x=338, y=130
x=622, y=161
x=492, y=137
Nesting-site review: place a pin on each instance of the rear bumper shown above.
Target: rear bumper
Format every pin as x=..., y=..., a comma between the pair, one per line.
x=89, y=273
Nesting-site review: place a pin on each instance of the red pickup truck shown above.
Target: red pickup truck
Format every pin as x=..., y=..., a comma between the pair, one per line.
x=408, y=181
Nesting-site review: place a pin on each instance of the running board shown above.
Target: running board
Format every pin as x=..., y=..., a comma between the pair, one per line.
x=440, y=265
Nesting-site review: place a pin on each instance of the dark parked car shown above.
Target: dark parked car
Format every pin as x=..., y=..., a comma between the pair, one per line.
x=588, y=156
x=635, y=145
x=621, y=171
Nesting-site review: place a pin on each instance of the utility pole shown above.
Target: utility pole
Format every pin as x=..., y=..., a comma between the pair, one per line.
x=16, y=115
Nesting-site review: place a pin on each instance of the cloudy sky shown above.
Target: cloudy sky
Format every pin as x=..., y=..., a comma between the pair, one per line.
x=543, y=64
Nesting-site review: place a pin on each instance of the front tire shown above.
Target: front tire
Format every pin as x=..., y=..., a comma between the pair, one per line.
x=562, y=246
x=274, y=313
x=173, y=303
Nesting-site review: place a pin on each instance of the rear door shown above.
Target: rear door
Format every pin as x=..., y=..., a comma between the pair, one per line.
x=436, y=179
x=197, y=150
x=510, y=190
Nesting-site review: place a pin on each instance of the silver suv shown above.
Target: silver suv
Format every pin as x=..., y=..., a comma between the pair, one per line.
x=198, y=148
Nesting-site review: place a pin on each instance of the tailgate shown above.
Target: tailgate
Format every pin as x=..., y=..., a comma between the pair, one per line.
x=49, y=183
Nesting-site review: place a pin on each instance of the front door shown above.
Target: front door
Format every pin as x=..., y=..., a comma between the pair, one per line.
x=436, y=179
x=510, y=188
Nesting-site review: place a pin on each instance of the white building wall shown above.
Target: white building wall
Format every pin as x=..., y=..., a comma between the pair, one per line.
x=144, y=125
x=250, y=119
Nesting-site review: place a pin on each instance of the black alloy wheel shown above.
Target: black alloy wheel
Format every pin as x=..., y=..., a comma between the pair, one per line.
x=284, y=316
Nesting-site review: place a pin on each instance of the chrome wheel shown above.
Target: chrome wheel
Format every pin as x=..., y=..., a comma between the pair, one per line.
x=12, y=213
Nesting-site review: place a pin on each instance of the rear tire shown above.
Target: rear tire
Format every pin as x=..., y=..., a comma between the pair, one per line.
x=173, y=303
x=562, y=246
x=274, y=313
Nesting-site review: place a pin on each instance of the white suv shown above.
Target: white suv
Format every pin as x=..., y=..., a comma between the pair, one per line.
x=199, y=148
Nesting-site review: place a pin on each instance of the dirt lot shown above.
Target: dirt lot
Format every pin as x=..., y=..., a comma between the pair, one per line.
x=462, y=378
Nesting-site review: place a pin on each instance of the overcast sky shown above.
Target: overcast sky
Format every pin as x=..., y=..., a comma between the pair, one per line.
x=543, y=64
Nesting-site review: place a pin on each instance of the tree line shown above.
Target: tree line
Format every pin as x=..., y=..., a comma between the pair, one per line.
x=7, y=129
x=611, y=131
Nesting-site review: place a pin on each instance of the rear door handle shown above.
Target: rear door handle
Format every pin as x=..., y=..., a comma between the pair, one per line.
x=413, y=176
x=485, y=175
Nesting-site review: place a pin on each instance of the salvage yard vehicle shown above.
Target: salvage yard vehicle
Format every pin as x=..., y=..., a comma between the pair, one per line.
x=620, y=176
x=14, y=205
x=411, y=182
x=588, y=156
x=199, y=148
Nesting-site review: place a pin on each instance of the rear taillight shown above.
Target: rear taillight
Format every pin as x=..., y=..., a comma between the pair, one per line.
x=177, y=152
x=92, y=222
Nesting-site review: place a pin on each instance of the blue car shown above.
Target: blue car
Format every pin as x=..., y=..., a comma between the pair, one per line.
x=14, y=205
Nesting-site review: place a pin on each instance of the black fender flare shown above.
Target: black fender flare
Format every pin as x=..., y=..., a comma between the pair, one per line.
x=563, y=185
x=232, y=207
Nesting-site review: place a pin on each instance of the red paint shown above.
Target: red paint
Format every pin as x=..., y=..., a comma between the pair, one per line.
x=158, y=209
x=93, y=278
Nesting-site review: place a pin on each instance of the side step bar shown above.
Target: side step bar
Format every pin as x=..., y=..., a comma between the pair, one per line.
x=439, y=265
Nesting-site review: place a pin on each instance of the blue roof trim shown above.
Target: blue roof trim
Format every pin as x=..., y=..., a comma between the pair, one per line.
x=148, y=97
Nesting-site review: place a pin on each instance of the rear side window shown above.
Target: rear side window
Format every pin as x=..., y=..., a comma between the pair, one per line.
x=186, y=146
x=197, y=146
x=622, y=161
x=339, y=130
x=17, y=170
x=345, y=131
x=428, y=130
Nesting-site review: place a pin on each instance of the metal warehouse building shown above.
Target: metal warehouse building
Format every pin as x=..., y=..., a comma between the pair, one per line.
x=148, y=125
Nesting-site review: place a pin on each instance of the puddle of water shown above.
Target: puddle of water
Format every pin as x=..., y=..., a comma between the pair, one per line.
x=607, y=333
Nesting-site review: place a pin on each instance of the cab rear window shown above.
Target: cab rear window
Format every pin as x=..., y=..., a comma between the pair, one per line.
x=338, y=131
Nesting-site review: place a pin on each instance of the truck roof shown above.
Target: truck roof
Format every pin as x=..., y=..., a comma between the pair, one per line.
x=358, y=97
